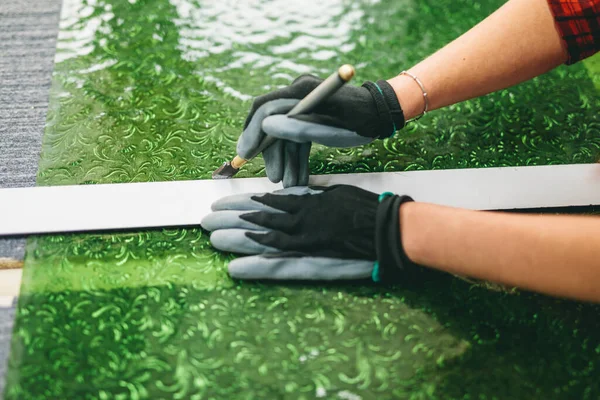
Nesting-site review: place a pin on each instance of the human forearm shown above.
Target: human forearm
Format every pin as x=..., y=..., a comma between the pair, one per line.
x=516, y=43
x=556, y=255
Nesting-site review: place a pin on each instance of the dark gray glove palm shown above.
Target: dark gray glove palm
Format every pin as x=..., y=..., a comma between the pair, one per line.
x=353, y=116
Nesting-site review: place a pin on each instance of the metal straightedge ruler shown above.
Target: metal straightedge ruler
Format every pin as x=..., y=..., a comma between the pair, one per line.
x=53, y=209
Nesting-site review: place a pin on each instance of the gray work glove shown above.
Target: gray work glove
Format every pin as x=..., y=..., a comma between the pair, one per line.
x=353, y=116
x=304, y=233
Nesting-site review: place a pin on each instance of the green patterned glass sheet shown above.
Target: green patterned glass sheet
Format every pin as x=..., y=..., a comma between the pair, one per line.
x=154, y=90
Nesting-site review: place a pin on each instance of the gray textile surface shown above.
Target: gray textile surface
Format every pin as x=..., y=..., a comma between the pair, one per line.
x=28, y=32
x=12, y=248
x=27, y=45
x=7, y=316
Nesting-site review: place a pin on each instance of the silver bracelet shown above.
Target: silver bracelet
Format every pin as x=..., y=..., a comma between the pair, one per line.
x=425, y=98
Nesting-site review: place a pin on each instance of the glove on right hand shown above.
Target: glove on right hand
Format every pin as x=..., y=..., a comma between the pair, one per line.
x=351, y=117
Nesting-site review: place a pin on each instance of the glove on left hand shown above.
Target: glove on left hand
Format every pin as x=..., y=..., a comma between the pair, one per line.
x=310, y=233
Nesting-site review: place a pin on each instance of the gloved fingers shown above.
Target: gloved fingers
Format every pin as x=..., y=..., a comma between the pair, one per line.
x=303, y=169
x=249, y=220
x=299, y=88
x=287, y=204
x=236, y=241
x=287, y=266
x=284, y=127
x=281, y=222
x=323, y=119
x=291, y=169
x=241, y=202
x=284, y=241
x=231, y=220
x=245, y=201
x=299, y=191
x=253, y=134
x=274, y=161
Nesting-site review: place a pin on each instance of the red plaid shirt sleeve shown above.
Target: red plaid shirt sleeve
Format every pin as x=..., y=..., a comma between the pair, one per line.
x=578, y=22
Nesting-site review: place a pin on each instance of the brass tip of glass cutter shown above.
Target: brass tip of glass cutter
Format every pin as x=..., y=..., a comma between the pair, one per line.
x=229, y=168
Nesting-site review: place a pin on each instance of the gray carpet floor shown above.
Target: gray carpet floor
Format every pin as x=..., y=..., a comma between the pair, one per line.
x=7, y=316
x=28, y=32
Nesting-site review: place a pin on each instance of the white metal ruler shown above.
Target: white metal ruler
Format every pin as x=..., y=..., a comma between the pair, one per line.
x=54, y=209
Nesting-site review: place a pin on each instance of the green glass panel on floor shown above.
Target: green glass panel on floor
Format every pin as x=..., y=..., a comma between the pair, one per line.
x=154, y=90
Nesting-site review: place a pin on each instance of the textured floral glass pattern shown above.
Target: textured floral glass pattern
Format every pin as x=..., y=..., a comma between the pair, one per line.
x=149, y=90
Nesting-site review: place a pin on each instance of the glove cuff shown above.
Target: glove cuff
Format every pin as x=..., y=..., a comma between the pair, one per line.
x=394, y=264
x=388, y=107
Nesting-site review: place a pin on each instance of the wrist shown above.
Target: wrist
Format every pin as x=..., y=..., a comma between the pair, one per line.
x=409, y=95
x=407, y=219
